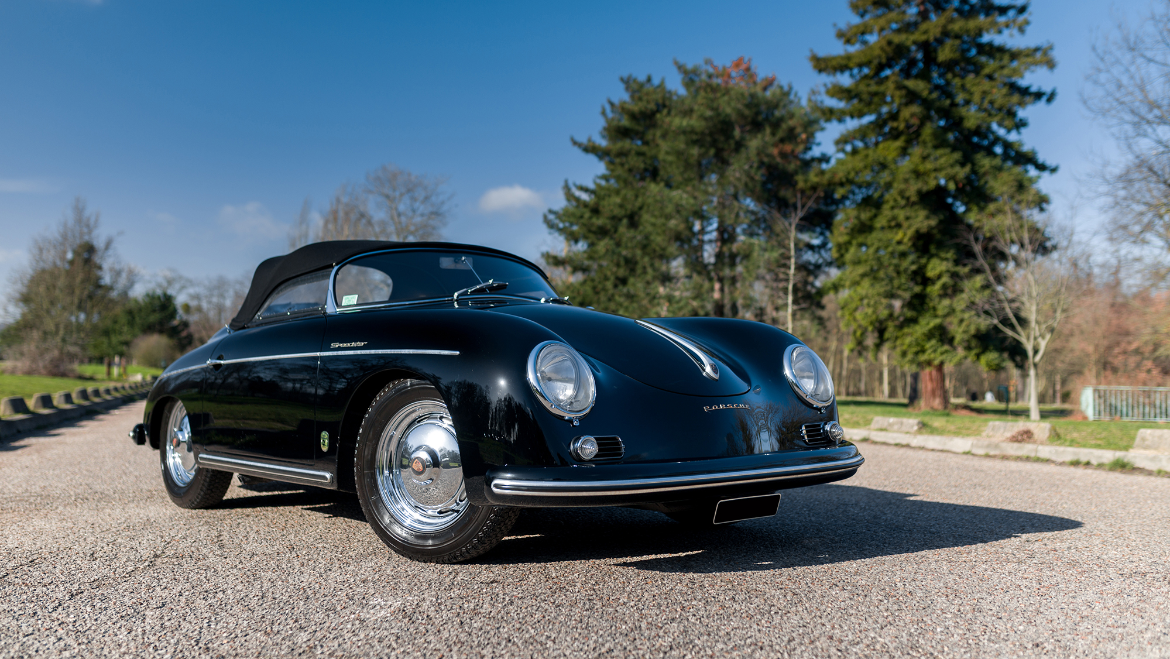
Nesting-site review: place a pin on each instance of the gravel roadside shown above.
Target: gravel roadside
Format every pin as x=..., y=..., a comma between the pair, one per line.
x=921, y=553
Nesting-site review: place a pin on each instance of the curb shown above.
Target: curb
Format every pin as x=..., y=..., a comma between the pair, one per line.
x=25, y=422
x=1140, y=459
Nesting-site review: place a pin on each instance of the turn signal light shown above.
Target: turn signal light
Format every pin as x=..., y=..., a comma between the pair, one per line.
x=584, y=448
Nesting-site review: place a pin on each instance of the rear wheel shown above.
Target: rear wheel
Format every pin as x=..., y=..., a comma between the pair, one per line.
x=409, y=479
x=188, y=484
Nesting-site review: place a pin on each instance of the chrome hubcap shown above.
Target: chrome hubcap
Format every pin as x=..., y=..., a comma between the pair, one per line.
x=180, y=461
x=418, y=470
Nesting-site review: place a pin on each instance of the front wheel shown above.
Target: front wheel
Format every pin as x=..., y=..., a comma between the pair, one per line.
x=409, y=479
x=188, y=484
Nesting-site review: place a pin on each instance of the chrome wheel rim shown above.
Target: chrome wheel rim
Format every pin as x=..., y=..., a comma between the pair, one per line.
x=418, y=469
x=180, y=451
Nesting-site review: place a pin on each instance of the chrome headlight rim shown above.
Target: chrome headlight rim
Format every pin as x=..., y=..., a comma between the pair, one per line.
x=793, y=382
x=534, y=381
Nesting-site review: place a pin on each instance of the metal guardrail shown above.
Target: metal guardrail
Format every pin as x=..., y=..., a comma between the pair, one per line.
x=1126, y=403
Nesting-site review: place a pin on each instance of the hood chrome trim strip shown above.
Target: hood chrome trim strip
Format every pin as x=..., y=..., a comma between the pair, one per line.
x=707, y=365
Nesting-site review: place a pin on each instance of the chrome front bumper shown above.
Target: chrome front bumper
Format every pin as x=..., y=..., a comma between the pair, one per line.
x=578, y=489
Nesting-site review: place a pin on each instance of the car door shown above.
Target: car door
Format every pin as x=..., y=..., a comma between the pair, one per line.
x=260, y=390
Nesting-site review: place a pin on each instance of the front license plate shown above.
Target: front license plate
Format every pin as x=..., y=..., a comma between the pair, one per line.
x=735, y=510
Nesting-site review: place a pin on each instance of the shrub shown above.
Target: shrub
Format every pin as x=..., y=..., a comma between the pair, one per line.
x=153, y=350
x=35, y=357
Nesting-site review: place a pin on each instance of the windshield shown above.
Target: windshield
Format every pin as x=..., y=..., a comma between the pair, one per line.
x=425, y=275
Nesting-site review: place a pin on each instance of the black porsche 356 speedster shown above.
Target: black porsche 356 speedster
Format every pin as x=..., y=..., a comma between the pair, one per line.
x=449, y=386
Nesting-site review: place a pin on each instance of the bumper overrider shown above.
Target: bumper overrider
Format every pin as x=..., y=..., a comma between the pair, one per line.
x=626, y=484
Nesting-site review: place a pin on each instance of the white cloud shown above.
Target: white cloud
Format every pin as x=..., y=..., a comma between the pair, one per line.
x=512, y=200
x=11, y=256
x=251, y=221
x=167, y=219
x=26, y=185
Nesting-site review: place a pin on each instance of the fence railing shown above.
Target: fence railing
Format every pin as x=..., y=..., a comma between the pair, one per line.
x=1126, y=403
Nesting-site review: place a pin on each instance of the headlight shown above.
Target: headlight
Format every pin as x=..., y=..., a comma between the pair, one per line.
x=561, y=379
x=808, y=376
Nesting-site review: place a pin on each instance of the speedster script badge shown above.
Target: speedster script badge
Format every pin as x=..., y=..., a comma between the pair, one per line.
x=355, y=344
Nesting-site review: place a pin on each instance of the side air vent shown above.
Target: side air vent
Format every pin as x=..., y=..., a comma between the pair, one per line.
x=610, y=448
x=814, y=433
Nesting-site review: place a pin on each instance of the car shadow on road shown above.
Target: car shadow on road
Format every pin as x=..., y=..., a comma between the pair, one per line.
x=815, y=526
x=287, y=495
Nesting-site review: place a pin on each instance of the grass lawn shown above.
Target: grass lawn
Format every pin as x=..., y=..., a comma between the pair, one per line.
x=970, y=422
x=97, y=371
x=27, y=386
x=92, y=375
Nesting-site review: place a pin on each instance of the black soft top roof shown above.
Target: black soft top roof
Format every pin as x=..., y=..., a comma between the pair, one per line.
x=273, y=272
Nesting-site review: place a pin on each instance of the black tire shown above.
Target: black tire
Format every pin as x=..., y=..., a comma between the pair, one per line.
x=206, y=487
x=467, y=531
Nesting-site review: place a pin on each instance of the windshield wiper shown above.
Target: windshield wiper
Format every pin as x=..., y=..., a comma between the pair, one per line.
x=489, y=286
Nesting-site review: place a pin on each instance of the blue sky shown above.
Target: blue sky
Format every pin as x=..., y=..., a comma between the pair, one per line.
x=197, y=129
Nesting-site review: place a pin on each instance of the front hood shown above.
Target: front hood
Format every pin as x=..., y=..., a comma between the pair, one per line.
x=626, y=346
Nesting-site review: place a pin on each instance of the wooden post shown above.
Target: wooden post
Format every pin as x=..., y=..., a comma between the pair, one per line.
x=885, y=372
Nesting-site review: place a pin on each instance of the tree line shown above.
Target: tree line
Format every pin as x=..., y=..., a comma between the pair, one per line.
x=715, y=201
x=917, y=252
x=74, y=300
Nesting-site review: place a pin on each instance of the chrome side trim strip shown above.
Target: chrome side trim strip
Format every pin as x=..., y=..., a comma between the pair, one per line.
x=180, y=370
x=408, y=351
x=403, y=351
x=667, y=483
x=705, y=363
x=256, y=468
x=264, y=358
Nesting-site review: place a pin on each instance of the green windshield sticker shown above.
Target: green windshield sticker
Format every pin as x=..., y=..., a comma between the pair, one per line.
x=348, y=300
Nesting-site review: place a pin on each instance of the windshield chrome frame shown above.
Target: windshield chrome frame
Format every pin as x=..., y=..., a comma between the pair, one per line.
x=331, y=301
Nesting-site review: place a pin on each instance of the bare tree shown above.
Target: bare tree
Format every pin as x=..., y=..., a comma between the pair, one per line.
x=408, y=206
x=392, y=204
x=348, y=217
x=1030, y=280
x=303, y=229
x=790, y=219
x=211, y=303
x=71, y=281
x=1130, y=92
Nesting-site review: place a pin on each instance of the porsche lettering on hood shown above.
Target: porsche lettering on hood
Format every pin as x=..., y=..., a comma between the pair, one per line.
x=636, y=351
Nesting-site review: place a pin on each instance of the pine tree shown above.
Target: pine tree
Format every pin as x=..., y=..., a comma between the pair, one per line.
x=621, y=233
x=682, y=221
x=931, y=100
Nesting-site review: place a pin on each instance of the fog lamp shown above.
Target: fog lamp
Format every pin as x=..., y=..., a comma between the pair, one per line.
x=835, y=431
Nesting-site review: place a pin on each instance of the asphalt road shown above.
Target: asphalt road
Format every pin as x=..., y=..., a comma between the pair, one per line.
x=921, y=553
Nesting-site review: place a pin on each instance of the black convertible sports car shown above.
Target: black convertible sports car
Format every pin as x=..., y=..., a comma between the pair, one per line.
x=449, y=386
